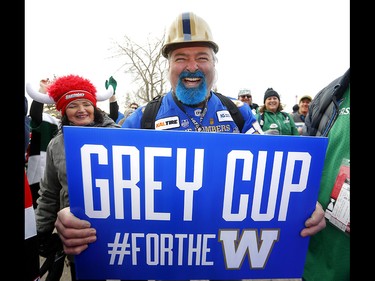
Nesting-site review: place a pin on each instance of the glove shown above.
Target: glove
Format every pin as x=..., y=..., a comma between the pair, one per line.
x=112, y=82
x=49, y=244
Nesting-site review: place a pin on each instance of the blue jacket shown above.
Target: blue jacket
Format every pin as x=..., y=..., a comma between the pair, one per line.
x=216, y=119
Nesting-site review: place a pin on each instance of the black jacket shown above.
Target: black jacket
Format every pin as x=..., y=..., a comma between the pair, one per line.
x=324, y=108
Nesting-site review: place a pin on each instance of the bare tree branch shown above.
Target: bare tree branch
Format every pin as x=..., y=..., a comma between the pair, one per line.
x=146, y=65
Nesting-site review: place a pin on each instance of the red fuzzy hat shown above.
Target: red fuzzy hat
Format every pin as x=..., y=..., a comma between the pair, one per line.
x=66, y=89
x=69, y=88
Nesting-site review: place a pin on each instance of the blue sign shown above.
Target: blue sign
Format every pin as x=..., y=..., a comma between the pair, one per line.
x=184, y=205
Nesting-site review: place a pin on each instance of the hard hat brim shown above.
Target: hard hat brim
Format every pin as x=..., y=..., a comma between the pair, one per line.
x=173, y=46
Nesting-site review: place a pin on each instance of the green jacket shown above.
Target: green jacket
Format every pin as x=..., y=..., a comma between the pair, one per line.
x=328, y=257
x=283, y=120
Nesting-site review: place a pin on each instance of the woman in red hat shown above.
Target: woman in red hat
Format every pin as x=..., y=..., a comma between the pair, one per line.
x=75, y=97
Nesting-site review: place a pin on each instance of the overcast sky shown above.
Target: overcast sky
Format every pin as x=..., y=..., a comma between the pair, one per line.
x=295, y=46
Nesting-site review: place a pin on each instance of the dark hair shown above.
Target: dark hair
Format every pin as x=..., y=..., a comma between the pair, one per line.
x=295, y=107
x=134, y=103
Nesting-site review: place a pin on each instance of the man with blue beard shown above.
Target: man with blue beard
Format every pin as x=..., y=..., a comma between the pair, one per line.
x=191, y=105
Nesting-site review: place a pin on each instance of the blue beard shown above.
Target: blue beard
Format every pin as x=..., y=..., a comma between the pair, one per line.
x=191, y=96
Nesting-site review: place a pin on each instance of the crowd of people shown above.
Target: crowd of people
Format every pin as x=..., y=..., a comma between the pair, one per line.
x=192, y=73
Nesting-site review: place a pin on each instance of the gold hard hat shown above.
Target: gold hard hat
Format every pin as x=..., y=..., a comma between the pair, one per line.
x=188, y=28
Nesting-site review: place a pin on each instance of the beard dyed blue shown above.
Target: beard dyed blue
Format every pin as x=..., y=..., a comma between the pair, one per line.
x=191, y=96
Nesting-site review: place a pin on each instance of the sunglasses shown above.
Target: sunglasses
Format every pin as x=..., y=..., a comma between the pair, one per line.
x=246, y=96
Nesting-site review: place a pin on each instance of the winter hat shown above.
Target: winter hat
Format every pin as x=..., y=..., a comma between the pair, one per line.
x=69, y=88
x=66, y=89
x=244, y=92
x=270, y=93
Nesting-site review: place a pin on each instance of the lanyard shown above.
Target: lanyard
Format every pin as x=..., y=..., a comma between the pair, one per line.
x=198, y=126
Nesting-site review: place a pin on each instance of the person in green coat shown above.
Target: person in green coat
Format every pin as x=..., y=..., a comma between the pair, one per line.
x=328, y=256
x=272, y=118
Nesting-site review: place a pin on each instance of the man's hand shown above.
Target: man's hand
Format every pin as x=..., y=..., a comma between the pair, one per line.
x=315, y=223
x=75, y=233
